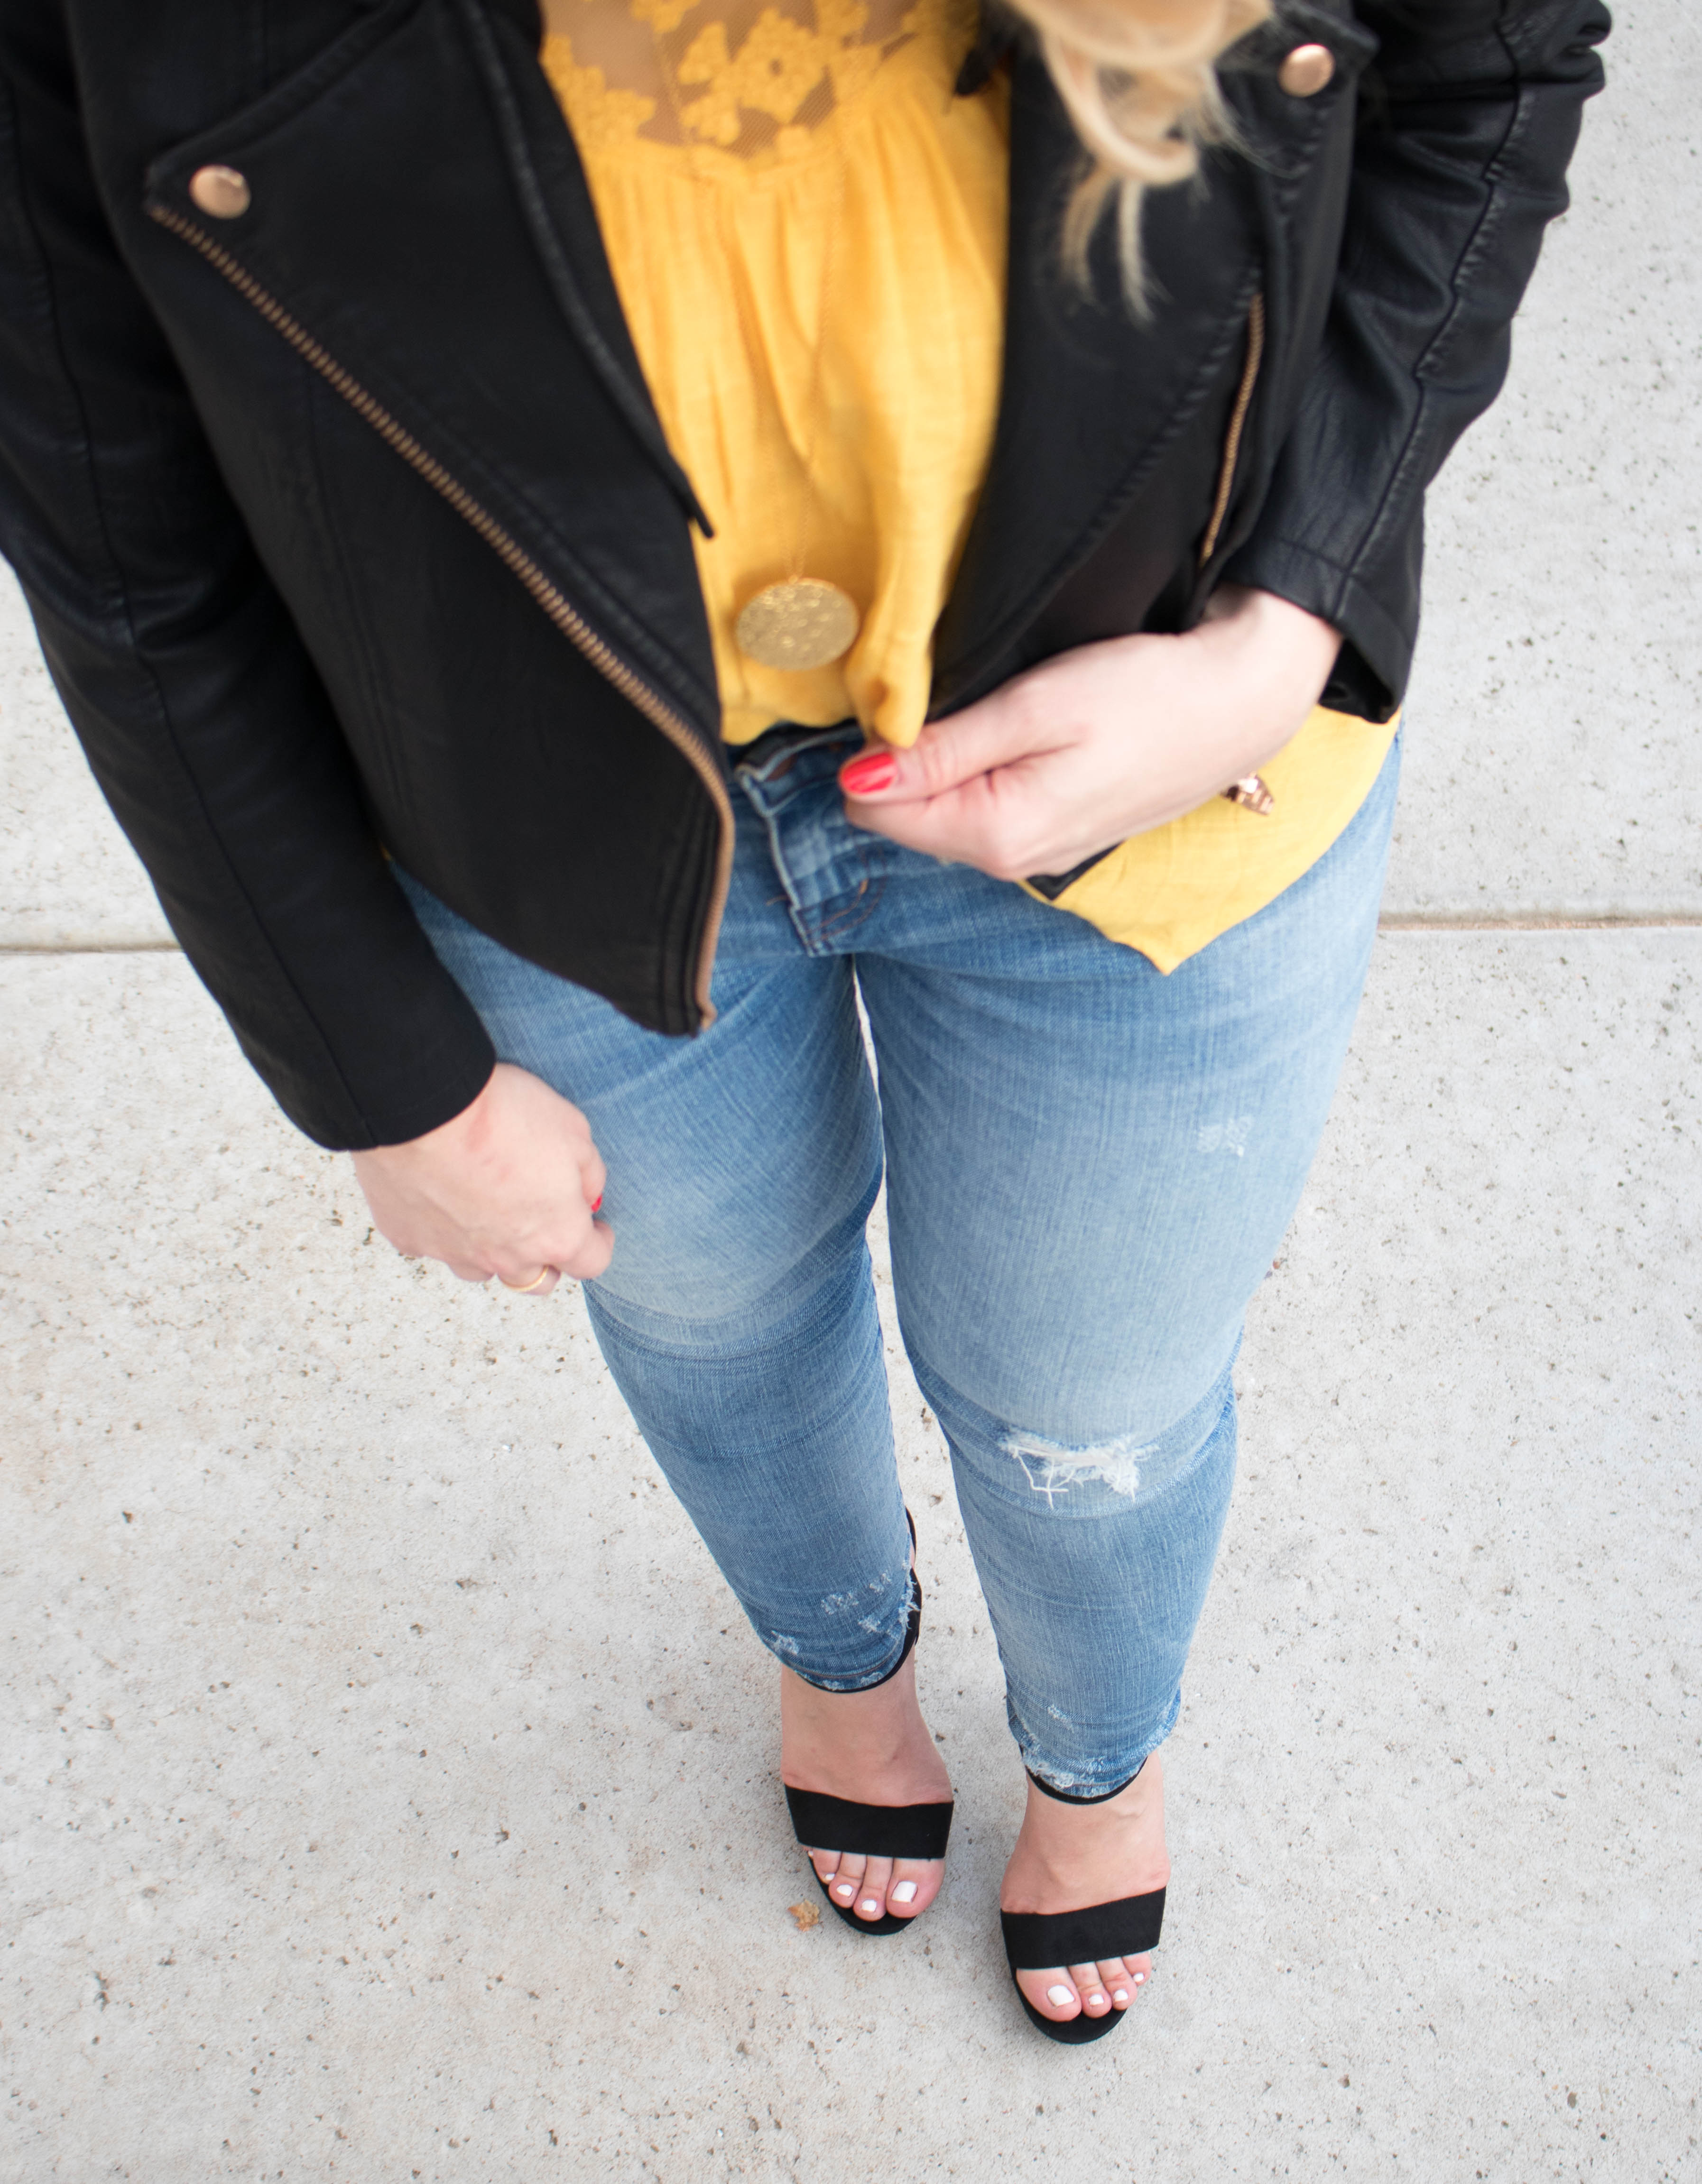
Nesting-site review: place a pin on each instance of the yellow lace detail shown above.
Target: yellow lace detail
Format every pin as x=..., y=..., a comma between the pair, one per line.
x=603, y=117
x=754, y=81
x=663, y=16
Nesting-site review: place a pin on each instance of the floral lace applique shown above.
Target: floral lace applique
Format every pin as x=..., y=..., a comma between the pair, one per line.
x=755, y=80
x=602, y=116
x=663, y=16
x=773, y=72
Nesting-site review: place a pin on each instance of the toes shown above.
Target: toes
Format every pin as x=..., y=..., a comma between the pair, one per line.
x=914, y=1885
x=844, y=1881
x=1052, y=1992
x=870, y=1901
x=1125, y=1978
x=1086, y=1990
x=869, y=1888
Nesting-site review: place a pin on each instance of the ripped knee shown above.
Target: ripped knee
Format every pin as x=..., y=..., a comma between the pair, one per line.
x=1133, y=1467
x=1051, y=1469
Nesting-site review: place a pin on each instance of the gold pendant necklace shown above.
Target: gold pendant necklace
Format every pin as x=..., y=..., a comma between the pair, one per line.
x=801, y=622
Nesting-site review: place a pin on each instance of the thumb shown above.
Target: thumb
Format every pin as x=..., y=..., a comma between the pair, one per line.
x=946, y=754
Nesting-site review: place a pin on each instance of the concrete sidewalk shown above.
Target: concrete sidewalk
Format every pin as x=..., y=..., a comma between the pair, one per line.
x=389, y=1780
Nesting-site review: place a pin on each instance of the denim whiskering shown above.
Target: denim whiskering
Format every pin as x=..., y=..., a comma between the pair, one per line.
x=1088, y=1166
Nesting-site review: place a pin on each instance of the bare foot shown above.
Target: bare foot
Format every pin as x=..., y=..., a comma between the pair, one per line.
x=874, y=1748
x=1069, y=1857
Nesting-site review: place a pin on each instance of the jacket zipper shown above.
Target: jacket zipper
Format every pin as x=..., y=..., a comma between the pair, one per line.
x=561, y=610
x=1237, y=423
x=1252, y=790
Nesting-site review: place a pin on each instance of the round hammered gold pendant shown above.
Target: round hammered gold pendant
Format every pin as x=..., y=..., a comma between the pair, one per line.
x=802, y=623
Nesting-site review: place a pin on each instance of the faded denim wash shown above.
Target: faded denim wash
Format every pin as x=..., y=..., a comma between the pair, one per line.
x=1089, y=1166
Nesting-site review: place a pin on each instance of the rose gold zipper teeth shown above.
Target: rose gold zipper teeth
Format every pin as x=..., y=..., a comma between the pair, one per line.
x=1243, y=402
x=1251, y=792
x=513, y=556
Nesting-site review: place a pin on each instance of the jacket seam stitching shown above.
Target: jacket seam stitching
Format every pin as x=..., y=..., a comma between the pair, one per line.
x=638, y=415
x=1383, y=515
x=1117, y=503
x=140, y=666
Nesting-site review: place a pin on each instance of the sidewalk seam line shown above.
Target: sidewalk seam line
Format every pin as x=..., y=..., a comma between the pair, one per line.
x=1558, y=921
x=1654, y=921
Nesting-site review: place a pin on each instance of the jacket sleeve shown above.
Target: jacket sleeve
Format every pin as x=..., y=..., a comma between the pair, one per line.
x=195, y=701
x=1470, y=117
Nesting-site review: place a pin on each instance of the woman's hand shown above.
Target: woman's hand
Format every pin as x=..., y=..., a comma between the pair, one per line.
x=1101, y=743
x=508, y=1187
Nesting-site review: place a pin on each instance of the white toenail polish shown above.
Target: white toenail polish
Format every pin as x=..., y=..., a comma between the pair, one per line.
x=1095, y=1996
x=905, y=1893
x=1139, y=1976
x=1058, y=1996
x=1120, y=1994
x=869, y=1903
x=846, y=1888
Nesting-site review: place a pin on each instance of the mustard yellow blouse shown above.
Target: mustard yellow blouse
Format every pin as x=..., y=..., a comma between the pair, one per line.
x=806, y=229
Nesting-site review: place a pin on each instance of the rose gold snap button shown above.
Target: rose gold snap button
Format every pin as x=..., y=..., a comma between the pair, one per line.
x=1306, y=71
x=222, y=191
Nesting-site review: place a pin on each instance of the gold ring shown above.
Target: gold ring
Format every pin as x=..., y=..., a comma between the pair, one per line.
x=524, y=1289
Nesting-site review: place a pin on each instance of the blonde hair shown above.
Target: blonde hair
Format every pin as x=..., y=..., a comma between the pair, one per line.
x=1139, y=79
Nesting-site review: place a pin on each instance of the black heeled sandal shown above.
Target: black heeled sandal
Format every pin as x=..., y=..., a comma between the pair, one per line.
x=841, y=1823
x=1034, y=1941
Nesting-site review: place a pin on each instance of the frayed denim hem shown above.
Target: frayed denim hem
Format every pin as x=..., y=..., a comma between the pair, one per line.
x=1095, y=1778
x=785, y=1648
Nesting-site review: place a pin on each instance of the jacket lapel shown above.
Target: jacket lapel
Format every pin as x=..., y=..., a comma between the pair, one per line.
x=418, y=211
x=1093, y=394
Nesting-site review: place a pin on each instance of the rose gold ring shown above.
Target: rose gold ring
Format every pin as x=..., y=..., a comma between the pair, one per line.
x=525, y=1288
x=1252, y=795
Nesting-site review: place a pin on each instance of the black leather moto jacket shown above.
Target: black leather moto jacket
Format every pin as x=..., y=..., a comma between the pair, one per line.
x=348, y=525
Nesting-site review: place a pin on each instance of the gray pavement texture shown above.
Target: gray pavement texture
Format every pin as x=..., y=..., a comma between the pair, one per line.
x=388, y=1780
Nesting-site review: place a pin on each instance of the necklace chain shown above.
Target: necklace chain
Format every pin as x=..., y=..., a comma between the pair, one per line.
x=802, y=621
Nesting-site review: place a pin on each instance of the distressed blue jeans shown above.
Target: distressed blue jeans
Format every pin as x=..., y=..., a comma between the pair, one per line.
x=1088, y=1168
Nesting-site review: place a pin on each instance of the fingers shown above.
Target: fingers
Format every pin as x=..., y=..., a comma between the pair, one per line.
x=994, y=821
x=509, y=1187
x=542, y=1280
x=975, y=789
x=1098, y=743
x=593, y=1255
x=580, y=1260
x=949, y=753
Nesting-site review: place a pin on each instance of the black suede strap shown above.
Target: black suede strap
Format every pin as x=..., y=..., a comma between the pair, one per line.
x=823, y=1823
x=1034, y=1941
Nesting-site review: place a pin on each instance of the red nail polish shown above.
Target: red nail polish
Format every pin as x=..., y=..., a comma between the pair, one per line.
x=869, y=775
x=597, y=1203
